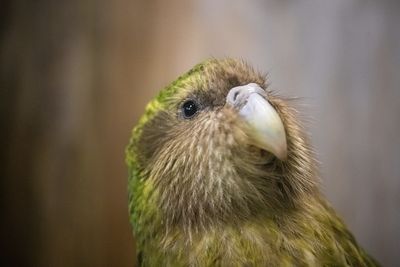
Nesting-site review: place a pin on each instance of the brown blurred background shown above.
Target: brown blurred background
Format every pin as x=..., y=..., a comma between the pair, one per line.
x=75, y=76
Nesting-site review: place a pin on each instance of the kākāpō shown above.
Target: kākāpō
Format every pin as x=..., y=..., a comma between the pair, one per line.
x=221, y=174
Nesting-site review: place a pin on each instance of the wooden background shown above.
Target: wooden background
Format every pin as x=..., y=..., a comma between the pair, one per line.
x=75, y=76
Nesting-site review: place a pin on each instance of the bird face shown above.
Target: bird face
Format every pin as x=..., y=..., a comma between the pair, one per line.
x=217, y=146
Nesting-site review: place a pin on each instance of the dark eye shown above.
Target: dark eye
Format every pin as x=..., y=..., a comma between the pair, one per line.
x=189, y=109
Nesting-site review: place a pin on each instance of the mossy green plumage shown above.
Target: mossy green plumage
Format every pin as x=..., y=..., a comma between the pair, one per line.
x=291, y=225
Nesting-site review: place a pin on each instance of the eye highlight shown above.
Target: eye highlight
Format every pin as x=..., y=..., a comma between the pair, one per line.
x=189, y=109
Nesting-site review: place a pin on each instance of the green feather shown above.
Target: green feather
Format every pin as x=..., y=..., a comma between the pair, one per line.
x=310, y=234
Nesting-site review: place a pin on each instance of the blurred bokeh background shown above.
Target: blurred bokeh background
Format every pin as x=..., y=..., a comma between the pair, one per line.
x=75, y=77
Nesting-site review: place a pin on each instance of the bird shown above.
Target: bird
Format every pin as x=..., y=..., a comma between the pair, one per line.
x=222, y=173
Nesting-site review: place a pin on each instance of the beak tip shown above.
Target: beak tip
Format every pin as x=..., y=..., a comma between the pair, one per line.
x=282, y=155
x=280, y=151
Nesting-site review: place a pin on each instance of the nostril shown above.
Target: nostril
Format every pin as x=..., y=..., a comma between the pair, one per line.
x=235, y=95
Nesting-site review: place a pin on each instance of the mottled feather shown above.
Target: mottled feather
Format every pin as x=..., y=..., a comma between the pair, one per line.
x=201, y=195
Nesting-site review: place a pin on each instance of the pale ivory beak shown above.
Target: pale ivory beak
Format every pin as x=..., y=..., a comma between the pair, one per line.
x=267, y=130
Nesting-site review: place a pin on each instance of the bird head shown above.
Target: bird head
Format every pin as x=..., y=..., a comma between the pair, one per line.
x=218, y=146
